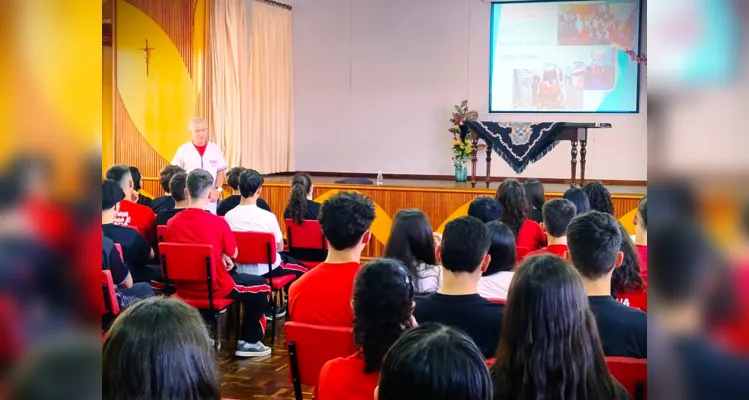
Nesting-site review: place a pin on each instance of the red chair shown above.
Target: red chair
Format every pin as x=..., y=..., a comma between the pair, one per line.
x=307, y=236
x=306, y=354
x=109, y=307
x=498, y=301
x=160, y=232
x=260, y=248
x=632, y=373
x=193, y=263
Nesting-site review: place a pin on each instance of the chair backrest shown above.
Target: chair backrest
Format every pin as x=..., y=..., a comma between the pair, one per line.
x=498, y=301
x=311, y=346
x=110, y=305
x=256, y=247
x=632, y=373
x=119, y=250
x=160, y=232
x=186, y=262
x=308, y=235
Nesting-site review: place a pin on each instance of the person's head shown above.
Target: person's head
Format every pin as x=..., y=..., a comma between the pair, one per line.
x=594, y=240
x=557, y=216
x=166, y=174
x=627, y=277
x=485, y=208
x=137, y=178
x=511, y=196
x=599, y=197
x=120, y=173
x=434, y=362
x=301, y=190
x=465, y=246
x=345, y=219
x=232, y=177
x=534, y=194
x=383, y=301
x=199, y=184
x=549, y=346
x=641, y=219
x=199, y=129
x=502, y=249
x=111, y=196
x=578, y=197
x=411, y=241
x=250, y=184
x=159, y=348
x=178, y=187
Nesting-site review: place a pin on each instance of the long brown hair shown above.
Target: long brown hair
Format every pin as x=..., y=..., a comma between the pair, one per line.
x=300, y=188
x=511, y=195
x=549, y=347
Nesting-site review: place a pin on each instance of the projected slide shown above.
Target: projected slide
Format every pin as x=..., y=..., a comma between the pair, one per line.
x=564, y=56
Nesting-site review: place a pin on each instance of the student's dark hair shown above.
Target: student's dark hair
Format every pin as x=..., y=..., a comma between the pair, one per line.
x=578, y=197
x=599, y=197
x=642, y=212
x=534, y=194
x=111, y=194
x=344, y=218
x=511, y=196
x=177, y=186
x=250, y=182
x=549, y=347
x=135, y=173
x=627, y=277
x=485, y=209
x=594, y=239
x=465, y=242
x=159, y=348
x=166, y=174
x=557, y=216
x=199, y=181
x=411, y=241
x=232, y=176
x=502, y=248
x=383, y=299
x=300, y=188
x=117, y=173
x=434, y=362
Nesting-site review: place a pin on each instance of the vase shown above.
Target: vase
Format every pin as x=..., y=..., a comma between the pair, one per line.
x=461, y=173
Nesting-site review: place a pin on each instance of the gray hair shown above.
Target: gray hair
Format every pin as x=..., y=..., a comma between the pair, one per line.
x=199, y=181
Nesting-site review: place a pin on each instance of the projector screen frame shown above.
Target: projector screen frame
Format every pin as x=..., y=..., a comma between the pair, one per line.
x=491, y=58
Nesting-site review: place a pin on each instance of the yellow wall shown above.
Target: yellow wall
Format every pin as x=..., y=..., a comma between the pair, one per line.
x=107, y=132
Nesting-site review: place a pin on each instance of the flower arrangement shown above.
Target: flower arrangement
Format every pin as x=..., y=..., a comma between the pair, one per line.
x=461, y=143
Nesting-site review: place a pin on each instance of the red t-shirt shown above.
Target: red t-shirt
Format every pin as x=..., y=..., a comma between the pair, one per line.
x=637, y=299
x=643, y=250
x=201, y=149
x=323, y=295
x=136, y=216
x=531, y=236
x=557, y=249
x=200, y=227
x=344, y=378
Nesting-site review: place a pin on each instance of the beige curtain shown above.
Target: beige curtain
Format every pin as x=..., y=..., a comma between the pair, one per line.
x=268, y=145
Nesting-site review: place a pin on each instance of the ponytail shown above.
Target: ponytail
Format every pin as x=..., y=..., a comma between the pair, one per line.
x=300, y=188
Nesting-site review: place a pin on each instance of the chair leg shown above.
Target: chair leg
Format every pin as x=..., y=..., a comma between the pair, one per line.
x=214, y=327
x=238, y=319
x=273, y=321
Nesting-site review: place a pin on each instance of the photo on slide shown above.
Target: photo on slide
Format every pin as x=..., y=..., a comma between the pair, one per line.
x=598, y=24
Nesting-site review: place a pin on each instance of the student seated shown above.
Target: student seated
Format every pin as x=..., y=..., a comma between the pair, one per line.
x=557, y=216
x=142, y=199
x=159, y=349
x=165, y=202
x=463, y=255
x=495, y=281
x=549, y=347
x=322, y=296
x=180, y=200
x=485, y=208
x=127, y=291
x=578, y=197
x=641, y=235
x=301, y=207
x=535, y=199
x=249, y=217
x=411, y=242
x=379, y=320
x=136, y=252
x=599, y=197
x=627, y=286
x=594, y=240
x=196, y=226
x=434, y=362
x=227, y=204
x=131, y=214
x=528, y=233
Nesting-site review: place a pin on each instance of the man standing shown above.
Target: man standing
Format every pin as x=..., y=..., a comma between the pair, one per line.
x=199, y=153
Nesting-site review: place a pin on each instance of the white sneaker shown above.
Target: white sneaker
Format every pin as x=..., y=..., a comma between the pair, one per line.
x=245, y=349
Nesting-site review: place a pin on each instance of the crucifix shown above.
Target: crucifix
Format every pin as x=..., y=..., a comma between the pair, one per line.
x=147, y=51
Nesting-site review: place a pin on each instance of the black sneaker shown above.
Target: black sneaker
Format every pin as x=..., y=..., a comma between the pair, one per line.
x=280, y=312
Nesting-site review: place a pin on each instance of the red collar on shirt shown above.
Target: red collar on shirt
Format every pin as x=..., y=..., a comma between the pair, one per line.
x=200, y=149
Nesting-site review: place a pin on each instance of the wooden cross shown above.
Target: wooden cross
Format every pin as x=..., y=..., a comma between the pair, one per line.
x=147, y=51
